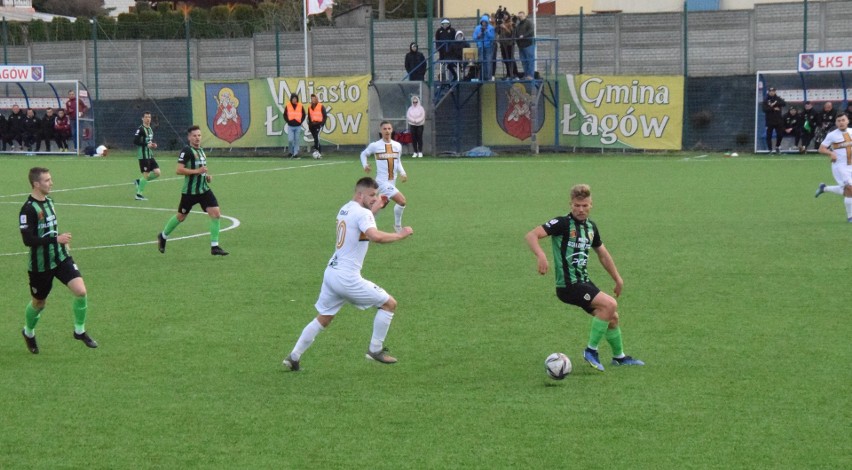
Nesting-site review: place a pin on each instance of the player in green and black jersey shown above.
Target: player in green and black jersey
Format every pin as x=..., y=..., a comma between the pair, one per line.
x=144, y=140
x=49, y=259
x=192, y=164
x=572, y=236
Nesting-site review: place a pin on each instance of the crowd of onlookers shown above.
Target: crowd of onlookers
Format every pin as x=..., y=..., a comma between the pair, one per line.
x=804, y=125
x=502, y=31
x=25, y=130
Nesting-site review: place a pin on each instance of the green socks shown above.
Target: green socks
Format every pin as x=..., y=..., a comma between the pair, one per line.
x=80, y=306
x=142, y=183
x=32, y=315
x=214, y=231
x=613, y=337
x=171, y=225
x=599, y=328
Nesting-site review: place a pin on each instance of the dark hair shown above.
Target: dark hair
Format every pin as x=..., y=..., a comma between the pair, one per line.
x=35, y=174
x=366, y=183
x=193, y=127
x=146, y=112
x=383, y=123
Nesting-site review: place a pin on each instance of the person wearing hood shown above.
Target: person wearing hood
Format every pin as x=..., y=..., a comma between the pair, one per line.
x=294, y=116
x=483, y=35
x=416, y=118
x=415, y=63
x=444, y=37
x=456, y=54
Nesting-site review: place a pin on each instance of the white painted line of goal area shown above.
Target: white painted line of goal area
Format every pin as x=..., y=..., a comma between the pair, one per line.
x=234, y=224
x=114, y=185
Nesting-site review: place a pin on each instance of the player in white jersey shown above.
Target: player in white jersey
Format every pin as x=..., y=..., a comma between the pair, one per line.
x=388, y=154
x=837, y=145
x=342, y=281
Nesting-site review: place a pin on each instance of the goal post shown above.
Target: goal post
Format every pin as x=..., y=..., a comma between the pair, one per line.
x=39, y=96
x=818, y=87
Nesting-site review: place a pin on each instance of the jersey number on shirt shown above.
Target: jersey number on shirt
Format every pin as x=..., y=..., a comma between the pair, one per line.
x=341, y=233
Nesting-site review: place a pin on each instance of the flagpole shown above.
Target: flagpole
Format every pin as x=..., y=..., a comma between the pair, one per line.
x=305, y=9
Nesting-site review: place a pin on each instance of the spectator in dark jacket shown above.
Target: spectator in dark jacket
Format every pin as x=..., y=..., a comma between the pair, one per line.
x=415, y=63
x=46, y=133
x=825, y=122
x=5, y=140
x=31, y=129
x=444, y=37
x=456, y=53
x=809, y=124
x=793, y=122
x=16, y=127
x=773, y=106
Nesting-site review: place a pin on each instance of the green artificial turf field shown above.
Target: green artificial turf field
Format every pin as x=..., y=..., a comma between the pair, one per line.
x=736, y=296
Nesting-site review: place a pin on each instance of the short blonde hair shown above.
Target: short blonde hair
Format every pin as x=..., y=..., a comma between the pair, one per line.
x=581, y=191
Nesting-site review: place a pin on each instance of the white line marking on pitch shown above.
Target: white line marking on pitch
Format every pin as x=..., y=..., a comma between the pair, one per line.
x=234, y=224
x=283, y=168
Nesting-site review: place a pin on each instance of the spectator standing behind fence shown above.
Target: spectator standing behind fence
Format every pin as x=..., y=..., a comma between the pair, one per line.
x=825, y=122
x=294, y=115
x=793, y=126
x=415, y=63
x=62, y=130
x=74, y=109
x=16, y=127
x=416, y=117
x=456, y=53
x=506, y=40
x=317, y=116
x=809, y=123
x=525, y=39
x=46, y=129
x=484, y=36
x=444, y=37
x=772, y=108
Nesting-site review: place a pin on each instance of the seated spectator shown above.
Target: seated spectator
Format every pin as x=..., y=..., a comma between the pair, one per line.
x=31, y=130
x=62, y=130
x=793, y=122
x=46, y=134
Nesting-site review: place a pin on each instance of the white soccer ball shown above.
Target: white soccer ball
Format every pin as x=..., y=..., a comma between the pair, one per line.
x=558, y=366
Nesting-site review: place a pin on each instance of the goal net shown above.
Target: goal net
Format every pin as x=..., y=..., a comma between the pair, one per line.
x=21, y=135
x=796, y=88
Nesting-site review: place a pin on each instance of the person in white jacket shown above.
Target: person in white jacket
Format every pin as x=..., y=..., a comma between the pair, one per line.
x=416, y=117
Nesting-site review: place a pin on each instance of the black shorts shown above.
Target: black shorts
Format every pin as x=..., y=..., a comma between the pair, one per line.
x=581, y=295
x=42, y=283
x=206, y=200
x=147, y=165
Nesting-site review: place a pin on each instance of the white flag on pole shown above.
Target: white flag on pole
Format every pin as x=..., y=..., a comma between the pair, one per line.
x=318, y=6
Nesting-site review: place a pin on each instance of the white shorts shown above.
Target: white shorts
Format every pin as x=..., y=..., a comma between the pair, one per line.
x=388, y=189
x=842, y=174
x=340, y=287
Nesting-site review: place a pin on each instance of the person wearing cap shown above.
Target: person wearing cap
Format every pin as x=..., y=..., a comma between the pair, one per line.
x=772, y=107
x=444, y=37
x=809, y=119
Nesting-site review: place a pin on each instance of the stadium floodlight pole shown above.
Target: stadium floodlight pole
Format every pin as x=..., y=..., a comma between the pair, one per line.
x=805, y=27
